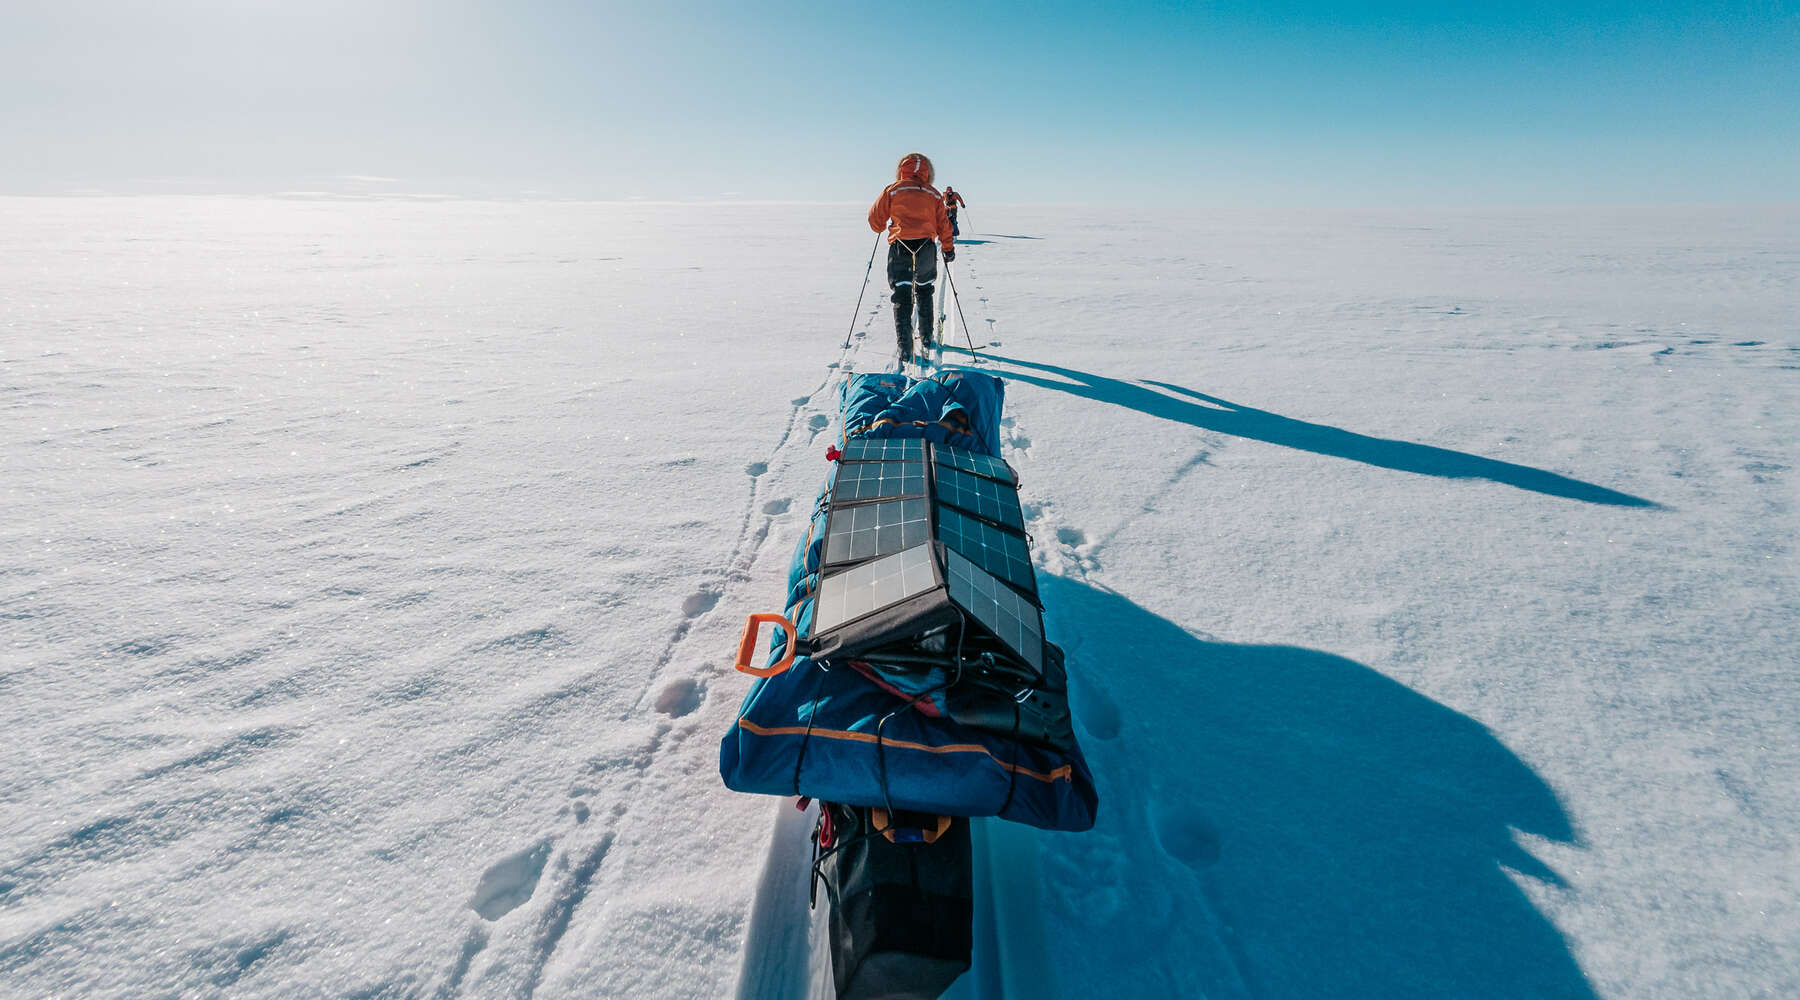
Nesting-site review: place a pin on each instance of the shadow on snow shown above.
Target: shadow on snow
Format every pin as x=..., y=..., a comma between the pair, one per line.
x=1280, y=822
x=1215, y=414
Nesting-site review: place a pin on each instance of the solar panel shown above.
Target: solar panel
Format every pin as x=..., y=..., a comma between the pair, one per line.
x=867, y=587
x=1012, y=619
x=883, y=449
x=1001, y=553
x=875, y=529
x=974, y=461
x=997, y=502
x=872, y=480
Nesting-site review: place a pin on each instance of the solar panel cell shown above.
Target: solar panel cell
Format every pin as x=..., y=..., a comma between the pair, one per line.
x=868, y=587
x=997, y=502
x=974, y=461
x=999, y=552
x=873, y=480
x=883, y=450
x=1012, y=619
x=867, y=530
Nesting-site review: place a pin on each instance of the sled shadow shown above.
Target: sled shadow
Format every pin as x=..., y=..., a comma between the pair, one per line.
x=1287, y=824
x=1215, y=414
x=971, y=243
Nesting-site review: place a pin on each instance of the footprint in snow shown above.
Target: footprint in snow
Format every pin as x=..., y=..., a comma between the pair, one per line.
x=819, y=422
x=509, y=882
x=1096, y=711
x=472, y=945
x=1099, y=863
x=1072, y=553
x=801, y=400
x=774, y=507
x=699, y=603
x=680, y=697
x=756, y=468
x=1186, y=836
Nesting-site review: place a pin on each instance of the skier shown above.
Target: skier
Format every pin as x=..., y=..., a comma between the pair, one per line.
x=912, y=211
x=951, y=201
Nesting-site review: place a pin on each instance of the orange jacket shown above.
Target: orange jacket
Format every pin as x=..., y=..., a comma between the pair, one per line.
x=952, y=199
x=912, y=209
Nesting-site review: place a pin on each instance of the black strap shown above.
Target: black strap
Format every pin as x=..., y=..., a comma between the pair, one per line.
x=800, y=758
x=1012, y=770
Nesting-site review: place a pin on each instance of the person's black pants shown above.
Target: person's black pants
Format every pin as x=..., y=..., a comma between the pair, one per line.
x=912, y=274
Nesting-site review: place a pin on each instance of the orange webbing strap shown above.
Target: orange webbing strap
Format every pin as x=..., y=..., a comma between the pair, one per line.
x=879, y=817
x=747, y=645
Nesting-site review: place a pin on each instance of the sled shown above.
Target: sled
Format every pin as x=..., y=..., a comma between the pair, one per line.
x=909, y=685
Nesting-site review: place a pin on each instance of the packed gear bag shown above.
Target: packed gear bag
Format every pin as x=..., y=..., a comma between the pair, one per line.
x=901, y=893
x=955, y=407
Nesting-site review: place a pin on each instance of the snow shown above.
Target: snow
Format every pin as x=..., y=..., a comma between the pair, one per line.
x=369, y=572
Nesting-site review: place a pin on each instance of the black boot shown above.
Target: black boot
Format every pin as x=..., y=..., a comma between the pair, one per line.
x=927, y=319
x=903, y=321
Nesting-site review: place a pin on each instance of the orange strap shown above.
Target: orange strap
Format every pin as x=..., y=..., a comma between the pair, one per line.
x=1063, y=772
x=747, y=645
x=884, y=823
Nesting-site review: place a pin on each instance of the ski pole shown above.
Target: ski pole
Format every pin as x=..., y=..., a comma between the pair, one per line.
x=959, y=313
x=863, y=290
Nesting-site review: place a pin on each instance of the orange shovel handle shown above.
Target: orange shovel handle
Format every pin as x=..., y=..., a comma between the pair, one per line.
x=747, y=645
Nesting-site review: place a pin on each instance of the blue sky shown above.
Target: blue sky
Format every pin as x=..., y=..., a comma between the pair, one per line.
x=1275, y=102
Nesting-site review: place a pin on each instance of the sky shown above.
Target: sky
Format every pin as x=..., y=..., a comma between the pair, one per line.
x=1276, y=102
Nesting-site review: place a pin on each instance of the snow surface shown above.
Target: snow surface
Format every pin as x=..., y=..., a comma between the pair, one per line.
x=369, y=572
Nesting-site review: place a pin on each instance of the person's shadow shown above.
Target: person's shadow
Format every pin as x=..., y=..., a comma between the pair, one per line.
x=1214, y=414
x=1285, y=824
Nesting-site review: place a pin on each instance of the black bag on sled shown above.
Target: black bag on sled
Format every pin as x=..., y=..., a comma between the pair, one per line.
x=901, y=909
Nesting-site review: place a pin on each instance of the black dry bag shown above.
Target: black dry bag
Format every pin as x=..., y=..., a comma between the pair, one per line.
x=901, y=908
